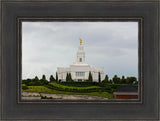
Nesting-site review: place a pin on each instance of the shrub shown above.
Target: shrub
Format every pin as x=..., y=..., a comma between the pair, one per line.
x=24, y=87
x=81, y=84
x=90, y=79
x=75, y=89
x=35, y=82
x=52, y=79
x=45, y=97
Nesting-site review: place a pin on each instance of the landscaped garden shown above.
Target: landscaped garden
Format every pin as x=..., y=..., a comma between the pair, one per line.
x=103, y=88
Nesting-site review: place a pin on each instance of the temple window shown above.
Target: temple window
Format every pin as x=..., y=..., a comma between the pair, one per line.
x=80, y=59
x=79, y=74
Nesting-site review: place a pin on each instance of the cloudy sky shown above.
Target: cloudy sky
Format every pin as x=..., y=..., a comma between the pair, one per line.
x=48, y=45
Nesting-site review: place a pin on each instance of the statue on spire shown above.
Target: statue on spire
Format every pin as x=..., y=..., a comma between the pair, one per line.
x=80, y=41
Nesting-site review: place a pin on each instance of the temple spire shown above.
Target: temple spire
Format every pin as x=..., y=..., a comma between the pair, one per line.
x=80, y=41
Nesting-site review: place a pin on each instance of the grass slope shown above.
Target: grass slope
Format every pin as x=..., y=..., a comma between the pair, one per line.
x=43, y=89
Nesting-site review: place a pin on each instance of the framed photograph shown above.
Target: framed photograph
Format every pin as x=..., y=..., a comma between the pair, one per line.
x=80, y=60
x=80, y=81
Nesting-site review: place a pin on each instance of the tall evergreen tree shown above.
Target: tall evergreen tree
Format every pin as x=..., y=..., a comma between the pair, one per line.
x=56, y=77
x=99, y=77
x=123, y=80
x=70, y=77
x=67, y=77
x=106, y=79
x=110, y=81
x=43, y=77
x=116, y=79
x=90, y=77
x=36, y=78
x=52, y=79
x=44, y=80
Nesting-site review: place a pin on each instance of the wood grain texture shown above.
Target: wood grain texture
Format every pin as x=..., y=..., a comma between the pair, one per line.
x=0, y=60
x=12, y=110
x=80, y=0
x=108, y=19
x=159, y=55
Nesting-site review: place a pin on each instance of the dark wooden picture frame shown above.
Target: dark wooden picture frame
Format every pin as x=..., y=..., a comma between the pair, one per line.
x=108, y=19
x=145, y=108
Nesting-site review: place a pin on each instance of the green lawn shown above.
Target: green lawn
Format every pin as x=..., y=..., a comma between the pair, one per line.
x=43, y=89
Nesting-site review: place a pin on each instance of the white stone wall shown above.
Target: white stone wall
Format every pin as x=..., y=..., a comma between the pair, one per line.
x=62, y=72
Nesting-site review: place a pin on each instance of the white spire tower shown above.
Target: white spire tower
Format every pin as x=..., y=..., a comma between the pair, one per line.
x=80, y=54
x=80, y=69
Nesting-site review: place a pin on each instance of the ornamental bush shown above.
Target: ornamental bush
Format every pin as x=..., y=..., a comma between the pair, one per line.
x=75, y=89
x=24, y=86
x=35, y=81
x=81, y=84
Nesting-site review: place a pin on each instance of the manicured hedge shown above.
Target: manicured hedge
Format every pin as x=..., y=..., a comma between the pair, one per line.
x=81, y=84
x=87, y=87
x=75, y=89
x=115, y=86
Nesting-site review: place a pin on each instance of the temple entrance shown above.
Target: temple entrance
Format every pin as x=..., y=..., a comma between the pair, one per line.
x=79, y=80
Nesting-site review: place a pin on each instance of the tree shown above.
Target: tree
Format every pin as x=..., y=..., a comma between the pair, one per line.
x=136, y=82
x=70, y=77
x=35, y=81
x=59, y=80
x=67, y=77
x=110, y=81
x=90, y=79
x=27, y=81
x=99, y=77
x=56, y=77
x=43, y=77
x=43, y=81
x=106, y=79
x=131, y=80
x=127, y=80
x=123, y=80
x=36, y=78
x=52, y=79
x=116, y=79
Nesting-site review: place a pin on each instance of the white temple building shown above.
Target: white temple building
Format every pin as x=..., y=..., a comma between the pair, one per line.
x=80, y=69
